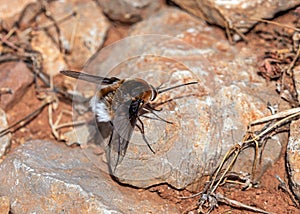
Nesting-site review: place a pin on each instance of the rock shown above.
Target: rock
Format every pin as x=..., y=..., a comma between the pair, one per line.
x=59, y=179
x=80, y=35
x=87, y=133
x=293, y=147
x=129, y=11
x=53, y=60
x=12, y=9
x=16, y=76
x=293, y=158
x=20, y=12
x=297, y=80
x=5, y=141
x=4, y=205
x=236, y=14
x=167, y=49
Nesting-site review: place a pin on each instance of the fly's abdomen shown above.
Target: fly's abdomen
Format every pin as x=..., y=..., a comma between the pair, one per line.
x=101, y=109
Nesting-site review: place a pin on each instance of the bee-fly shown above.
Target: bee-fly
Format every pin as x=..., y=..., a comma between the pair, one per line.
x=121, y=103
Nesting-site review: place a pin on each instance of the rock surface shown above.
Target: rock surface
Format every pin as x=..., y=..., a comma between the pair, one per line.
x=5, y=141
x=293, y=147
x=12, y=9
x=17, y=77
x=46, y=177
x=129, y=11
x=80, y=35
x=238, y=13
x=54, y=60
x=296, y=71
x=4, y=205
x=293, y=158
x=170, y=48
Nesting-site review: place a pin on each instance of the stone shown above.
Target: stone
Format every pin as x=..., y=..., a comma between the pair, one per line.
x=293, y=158
x=293, y=147
x=53, y=60
x=47, y=177
x=4, y=205
x=5, y=141
x=17, y=77
x=168, y=49
x=296, y=71
x=86, y=134
x=129, y=11
x=80, y=35
x=12, y=9
x=240, y=14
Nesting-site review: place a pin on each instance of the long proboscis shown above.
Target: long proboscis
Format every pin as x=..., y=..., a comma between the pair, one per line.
x=176, y=86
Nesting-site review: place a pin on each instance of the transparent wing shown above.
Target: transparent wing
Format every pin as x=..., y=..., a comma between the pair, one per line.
x=126, y=105
x=123, y=126
x=89, y=77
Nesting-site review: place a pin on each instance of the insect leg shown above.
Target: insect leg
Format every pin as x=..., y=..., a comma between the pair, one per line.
x=152, y=110
x=119, y=153
x=150, y=107
x=142, y=130
x=111, y=147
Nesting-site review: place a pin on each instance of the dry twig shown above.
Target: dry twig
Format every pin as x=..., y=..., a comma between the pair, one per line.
x=20, y=123
x=275, y=23
x=233, y=203
x=209, y=198
x=282, y=185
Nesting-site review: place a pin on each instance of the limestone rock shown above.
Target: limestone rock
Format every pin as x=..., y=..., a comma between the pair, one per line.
x=293, y=158
x=47, y=177
x=12, y=9
x=239, y=14
x=5, y=141
x=207, y=118
x=17, y=77
x=80, y=35
x=4, y=205
x=129, y=11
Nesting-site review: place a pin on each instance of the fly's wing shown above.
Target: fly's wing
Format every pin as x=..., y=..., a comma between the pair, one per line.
x=89, y=77
x=126, y=110
x=123, y=125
